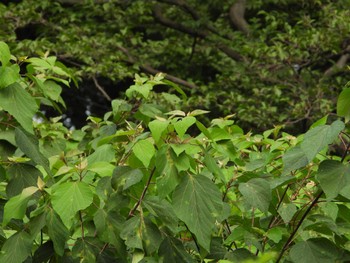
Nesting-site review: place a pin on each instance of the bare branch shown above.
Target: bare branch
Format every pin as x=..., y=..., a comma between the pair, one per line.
x=236, y=15
x=101, y=89
x=339, y=64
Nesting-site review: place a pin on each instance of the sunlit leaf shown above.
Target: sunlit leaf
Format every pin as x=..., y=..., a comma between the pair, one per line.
x=69, y=198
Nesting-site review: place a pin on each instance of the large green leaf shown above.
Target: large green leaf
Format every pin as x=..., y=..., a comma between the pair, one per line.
x=131, y=233
x=315, y=250
x=172, y=251
x=197, y=202
x=21, y=176
x=9, y=75
x=17, y=248
x=333, y=177
x=293, y=159
x=20, y=104
x=69, y=198
x=5, y=54
x=17, y=205
x=144, y=151
x=257, y=192
x=29, y=145
x=319, y=137
x=181, y=126
x=104, y=153
x=57, y=231
x=162, y=209
x=157, y=128
x=343, y=104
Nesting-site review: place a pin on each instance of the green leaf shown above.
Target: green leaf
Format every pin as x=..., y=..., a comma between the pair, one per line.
x=173, y=251
x=319, y=137
x=17, y=248
x=69, y=198
x=287, y=211
x=333, y=177
x=293, y=159
x=104, y=153
x=131, y=233
x=57, y=231
x=21, y=176
x=9, y=75
x=157, y=128
x=5, y=54
x=163, y=210
x=144, y=151
x=52, y=90
x=315, y=250
x=17, y=205
x=343, y=104
x=257, y=193
x=125, y=176
x=197, y=202
x=29, y=145
x=20, y=104
x=181, y=126
x=102, y=168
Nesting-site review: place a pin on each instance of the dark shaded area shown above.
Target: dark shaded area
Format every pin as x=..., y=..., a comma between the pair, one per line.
x=30, y=31
x=7, y=2
x=87, y=100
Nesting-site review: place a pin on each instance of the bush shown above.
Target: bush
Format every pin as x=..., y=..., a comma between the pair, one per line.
x=145, y=184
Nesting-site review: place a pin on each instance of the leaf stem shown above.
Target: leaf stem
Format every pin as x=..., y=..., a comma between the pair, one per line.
x=132, y=211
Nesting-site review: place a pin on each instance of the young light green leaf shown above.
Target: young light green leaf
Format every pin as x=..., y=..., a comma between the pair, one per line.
x=319, y=137
x=315, y=250
x=101, y=168
x=157, y=128
x=343, y=104
x=144, y=151
x=257, y=193
x=181, y=126
x=16, y=207
x=29, y=145
x=69, y=198
x=197, y=202
x=5, y=54
x=333, y=177
x=104, y=153
x=17, y=248
x=20, y=104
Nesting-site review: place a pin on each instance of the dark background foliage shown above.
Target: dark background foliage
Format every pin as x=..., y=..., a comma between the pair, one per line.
x=268, y=62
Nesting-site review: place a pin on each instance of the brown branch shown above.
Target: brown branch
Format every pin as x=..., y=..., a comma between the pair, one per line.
x=150, y=70
x=236, y=15
x=132, y=211
x=339, y=64
x=158, y=16
x=101, y=89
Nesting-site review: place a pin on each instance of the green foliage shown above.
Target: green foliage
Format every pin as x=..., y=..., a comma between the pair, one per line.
x=285, y=65
x=145, y=184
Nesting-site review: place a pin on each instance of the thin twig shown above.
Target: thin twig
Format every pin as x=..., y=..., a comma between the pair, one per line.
x=101, y=89
x=132, y=211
